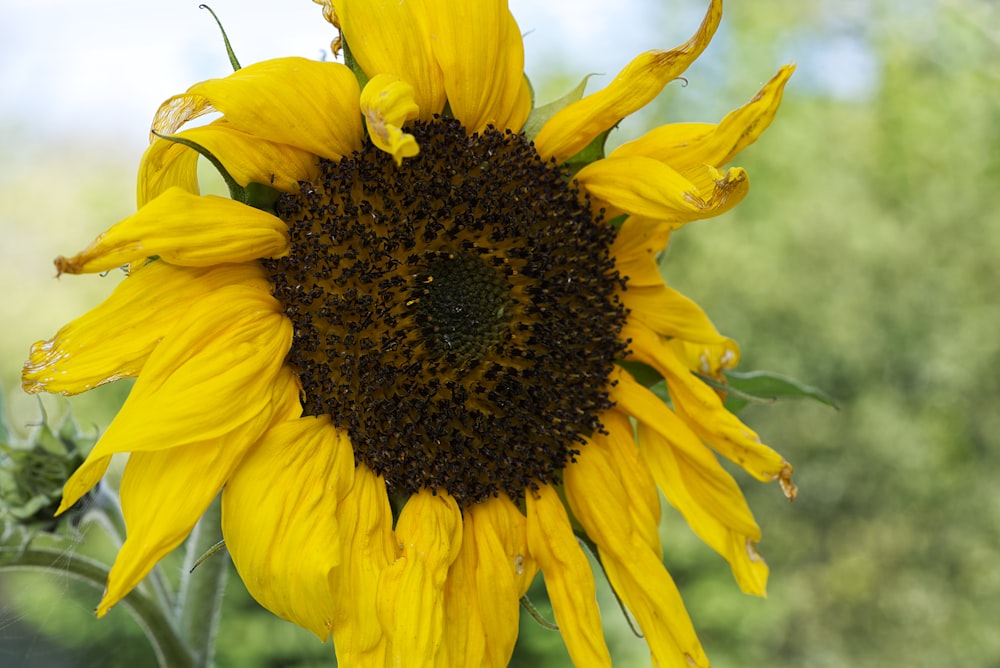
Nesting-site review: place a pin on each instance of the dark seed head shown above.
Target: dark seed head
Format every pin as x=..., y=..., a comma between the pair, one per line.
x=456, y=315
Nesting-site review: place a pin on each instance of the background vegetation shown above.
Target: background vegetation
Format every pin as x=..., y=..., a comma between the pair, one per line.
x=864, y=262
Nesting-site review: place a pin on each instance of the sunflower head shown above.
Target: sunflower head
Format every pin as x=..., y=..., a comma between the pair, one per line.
x=448, y=305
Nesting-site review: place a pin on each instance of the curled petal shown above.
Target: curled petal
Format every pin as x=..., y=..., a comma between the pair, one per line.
x=185, y=229
x=687, y=147
x=411, y=590
x=114, y=340
x=571, y=129
x=386, y=103
x=650, y=189
x=279, y=519
x=568, y=577
x=178, y=110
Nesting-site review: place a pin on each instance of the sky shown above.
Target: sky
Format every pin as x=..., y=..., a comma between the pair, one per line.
x=104, y=66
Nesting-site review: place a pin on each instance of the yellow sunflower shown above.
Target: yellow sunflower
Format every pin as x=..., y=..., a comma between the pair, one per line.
x=398, y=350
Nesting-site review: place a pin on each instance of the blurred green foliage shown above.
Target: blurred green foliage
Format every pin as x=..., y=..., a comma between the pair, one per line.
x=863, y=263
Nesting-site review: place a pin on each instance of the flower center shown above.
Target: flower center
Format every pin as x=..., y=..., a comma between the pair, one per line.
x=461, y=305
x=457, y=315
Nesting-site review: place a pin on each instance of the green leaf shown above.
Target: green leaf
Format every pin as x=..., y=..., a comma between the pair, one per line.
x=765, y=387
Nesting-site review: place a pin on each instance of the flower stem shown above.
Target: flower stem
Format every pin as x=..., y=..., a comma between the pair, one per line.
x=199, y=599
x=167, y=644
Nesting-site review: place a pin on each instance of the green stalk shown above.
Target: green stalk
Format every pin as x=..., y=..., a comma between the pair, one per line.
x=163, y=637
x=199, y=599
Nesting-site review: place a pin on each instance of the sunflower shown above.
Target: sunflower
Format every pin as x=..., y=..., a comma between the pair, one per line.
x=405, y=349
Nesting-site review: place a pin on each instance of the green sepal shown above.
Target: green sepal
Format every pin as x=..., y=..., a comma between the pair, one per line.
x=592, y=152
x=212, y=551
x=618, y=221
x=764, y=387
x=258, y=195
x=540, y=116
x=532, y=611
x=350, y=61
x=648, y=377
x=225, y=38
x=261, y=196
x=643, y=373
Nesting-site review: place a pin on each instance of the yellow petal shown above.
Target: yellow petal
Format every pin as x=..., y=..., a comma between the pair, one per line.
x=637, y=248
x=478, y=46
x=365, y=524
x=303, y=103
x=177, y=110
x=484, y=585
x=212, y=373
x=568, y=578
x=465, y=637
x=713, y=506
x=411, y=590
x=386, y=103
x=510, y=527
x=643, y=501
x=114, y=340
x=163, y=495
x=166, y=165
x=386, y=36
x=250, y=159
x=708, y=358
x=279, y=519
x=702, y=410
x=599, y=500
x=182, y=228
x=668, y=312
x=165, y=492
x=687, y=147
x=694, y=482
x=571, y=129
x=650, y=189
